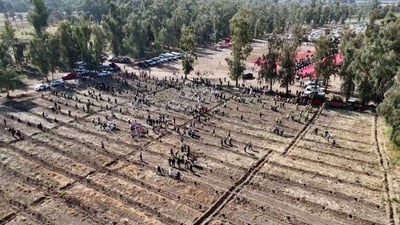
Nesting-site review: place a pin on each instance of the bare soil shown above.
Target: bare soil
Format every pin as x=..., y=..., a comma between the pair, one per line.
x=72, y=171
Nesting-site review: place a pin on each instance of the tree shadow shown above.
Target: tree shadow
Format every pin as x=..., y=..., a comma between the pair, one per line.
x=19, y=106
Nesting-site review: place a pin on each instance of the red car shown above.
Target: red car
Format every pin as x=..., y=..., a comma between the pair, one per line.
x=70, y=76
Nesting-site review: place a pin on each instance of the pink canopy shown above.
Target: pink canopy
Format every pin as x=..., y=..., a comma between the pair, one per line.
x=311, y=69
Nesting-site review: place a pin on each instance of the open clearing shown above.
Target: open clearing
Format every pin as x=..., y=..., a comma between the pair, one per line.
x=61, y=174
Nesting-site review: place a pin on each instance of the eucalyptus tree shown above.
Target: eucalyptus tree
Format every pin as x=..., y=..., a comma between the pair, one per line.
x=269, y=65
x=38, y=16
x=288, y=64
x=241, y=48
x=325, y=59
x=188, y=46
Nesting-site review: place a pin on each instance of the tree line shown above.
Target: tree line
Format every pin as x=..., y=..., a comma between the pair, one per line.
x=371, y=69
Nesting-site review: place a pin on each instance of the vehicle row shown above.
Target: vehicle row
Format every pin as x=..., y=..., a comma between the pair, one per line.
x=163, y=58
x=314, y=87
x=120, y=59
x=45, y=86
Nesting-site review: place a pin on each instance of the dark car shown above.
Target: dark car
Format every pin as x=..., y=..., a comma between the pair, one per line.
x=114, y=67
x=354, y=105
x=124, y=60
x=247, y=76
x=70, y=76
x=142, y=64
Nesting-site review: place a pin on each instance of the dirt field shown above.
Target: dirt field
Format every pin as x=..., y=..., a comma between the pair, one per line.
x=61, y=173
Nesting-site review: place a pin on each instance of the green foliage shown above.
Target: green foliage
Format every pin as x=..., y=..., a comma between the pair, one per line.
x=325, y=65
x=9, y=80
x=269, y=67
x=188, y=45
x=390, y=110
x=5, y=57
x=288, y=64
x=371, y=60
x=241, y=47
x=38, y=53
x=38, y=16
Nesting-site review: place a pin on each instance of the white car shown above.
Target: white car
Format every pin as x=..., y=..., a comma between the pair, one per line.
x=308, y=93
x=41, y=87
x=104, y=73
x=312, y=88
x=54, y=83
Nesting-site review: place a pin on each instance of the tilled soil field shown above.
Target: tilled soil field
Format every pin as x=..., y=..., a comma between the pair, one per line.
x=70, y=167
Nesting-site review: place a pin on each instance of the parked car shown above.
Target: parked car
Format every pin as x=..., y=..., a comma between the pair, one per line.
x=41, y=87
x=70, y=76
x=55, y=83
x=353, y=104
x=114, y=67
x=313, y=83
x=312, y=88
x=142, y=64
x=177, y=54
x=125, y=60
x=310, y=93
x=104, y=73
x=247, y=76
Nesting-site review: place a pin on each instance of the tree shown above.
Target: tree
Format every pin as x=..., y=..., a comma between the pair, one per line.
x=52, y=43
x=97, y=45
x=21, y=19
x=241, y=47
x=38, y=16
x=8, y=36
x=325, y=65
x=188, y=45
x=346, y=74
x=38, y=54
x=5, y=57
x=68, y=51
x=9, y=81
x=288, y=64
x=390, y=110
x=269, y=67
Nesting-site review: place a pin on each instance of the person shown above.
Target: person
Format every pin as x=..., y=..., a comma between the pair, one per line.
x=102, y=145
x=170, y=172
x=178, y=175
x=159, y=170
x=140, y=156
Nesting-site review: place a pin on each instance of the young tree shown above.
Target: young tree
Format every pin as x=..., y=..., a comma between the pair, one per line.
x=288, y=64
x=347, y=75
x=390, y=110
x=8, y=36
x=8, y=81
x=21, y=19
x=38, y=54
x=269, y=67
x=5, y=57
x=52, y=43
x=38, y=16
x=68, y=50
x=325, y=65
x=241, y=36
x=188, y=45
